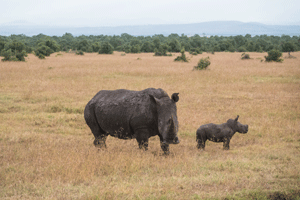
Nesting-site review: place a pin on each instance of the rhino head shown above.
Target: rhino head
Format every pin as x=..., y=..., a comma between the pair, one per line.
x=237, y=126
x=167, y=118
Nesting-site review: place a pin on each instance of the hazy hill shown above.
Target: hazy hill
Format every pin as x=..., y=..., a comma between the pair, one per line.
x=225, y=28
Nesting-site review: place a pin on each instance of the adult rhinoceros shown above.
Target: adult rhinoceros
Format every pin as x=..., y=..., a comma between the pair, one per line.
x=128, y=114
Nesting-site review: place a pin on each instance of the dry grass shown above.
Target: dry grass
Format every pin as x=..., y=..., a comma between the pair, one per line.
x=47, y=152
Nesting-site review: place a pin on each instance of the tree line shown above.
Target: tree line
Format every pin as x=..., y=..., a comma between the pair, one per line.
x=16, y=47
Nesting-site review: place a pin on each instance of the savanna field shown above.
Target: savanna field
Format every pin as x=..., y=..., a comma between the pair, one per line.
x=47, y=151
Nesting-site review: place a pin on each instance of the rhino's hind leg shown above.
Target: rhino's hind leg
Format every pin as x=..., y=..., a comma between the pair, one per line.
x=143, y=144
x=100, y=141
x=99, y=134
x=142, y=138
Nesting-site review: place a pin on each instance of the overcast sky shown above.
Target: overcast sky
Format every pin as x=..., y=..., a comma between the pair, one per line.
x=95, y=13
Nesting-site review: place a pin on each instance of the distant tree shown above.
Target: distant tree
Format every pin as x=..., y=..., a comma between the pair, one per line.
x=126, y=48
x=96, y=47
x=134, y=42
x=116, y=41
x=14, y=51
x=52, y=45
x=288, y=47
x=174, y=45
x=2, y=44
x=161, y=51
x=42, y=51
x=156, y=43
x=147, y=47
x=16, y=46
x=106, y=48
x=242, y=49
x=247, y=36
x=84, y=46
x=66, y=42
x=135, y=48
x=46, y=47
x=126, y=37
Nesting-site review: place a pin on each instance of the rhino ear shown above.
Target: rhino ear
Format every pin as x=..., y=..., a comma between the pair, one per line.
x=175, y=97
x=236, y=118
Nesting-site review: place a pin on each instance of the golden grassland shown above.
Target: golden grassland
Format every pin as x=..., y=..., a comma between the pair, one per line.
x=47, y=152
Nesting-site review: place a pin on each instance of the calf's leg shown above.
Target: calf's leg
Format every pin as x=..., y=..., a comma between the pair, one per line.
x=226, y=143
x=201, y=139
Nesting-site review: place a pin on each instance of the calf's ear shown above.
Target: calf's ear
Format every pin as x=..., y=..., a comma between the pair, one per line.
x=175, y=97
x=236, y=118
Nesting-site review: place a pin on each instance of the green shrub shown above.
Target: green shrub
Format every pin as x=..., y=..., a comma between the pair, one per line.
x=195, y=51
x=42, y=51
x=245, y=56
x=161, y=51
x=9, y=55
x=182, y=57
x=203, y=63
x=79, y=52
x=274, y=55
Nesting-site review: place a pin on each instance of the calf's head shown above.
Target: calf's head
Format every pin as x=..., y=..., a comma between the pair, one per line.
x=167, y=118
x=237, y=126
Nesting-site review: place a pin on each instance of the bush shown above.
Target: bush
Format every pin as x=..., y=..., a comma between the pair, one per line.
x=9, y=55
x=182, y=57
x=195, y=51
x=20, y=55
x=203, y=63
x=43, y=51
x=79, y=53
x=274, y=55
x=245, y=56
x=161, y=51
x=14, y=51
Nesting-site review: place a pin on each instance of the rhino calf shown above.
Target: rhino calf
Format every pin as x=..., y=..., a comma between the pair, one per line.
x=128, y=114
x=219, y=132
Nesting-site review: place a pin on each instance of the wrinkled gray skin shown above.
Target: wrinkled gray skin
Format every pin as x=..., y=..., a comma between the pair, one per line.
x=219, y=132
x=127, y=114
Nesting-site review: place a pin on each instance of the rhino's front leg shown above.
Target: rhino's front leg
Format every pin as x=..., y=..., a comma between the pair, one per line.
x=165, y=148
x=226, y=143
x=200, y=144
